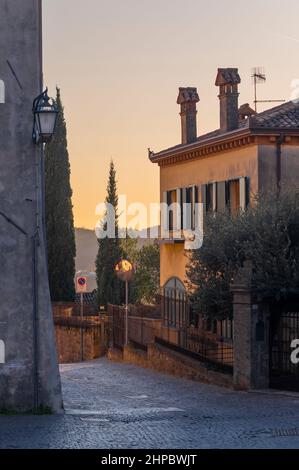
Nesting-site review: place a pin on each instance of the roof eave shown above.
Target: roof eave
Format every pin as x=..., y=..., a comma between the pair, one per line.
x=199, y=144
x=251, y=130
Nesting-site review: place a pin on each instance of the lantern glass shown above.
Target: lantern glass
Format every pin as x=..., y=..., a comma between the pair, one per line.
x=45, y=116
x=46, y=122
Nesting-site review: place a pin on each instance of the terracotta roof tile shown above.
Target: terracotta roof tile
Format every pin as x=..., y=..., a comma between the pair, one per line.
x=285, y=116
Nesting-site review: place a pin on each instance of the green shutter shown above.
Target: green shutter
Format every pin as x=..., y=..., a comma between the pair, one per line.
x=247, y=191
x=214, y=197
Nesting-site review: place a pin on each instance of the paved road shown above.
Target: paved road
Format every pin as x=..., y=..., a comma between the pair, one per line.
x=110, y=405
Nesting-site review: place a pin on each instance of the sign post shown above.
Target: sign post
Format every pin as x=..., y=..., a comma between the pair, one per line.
x=81, y=289
x=125, y=271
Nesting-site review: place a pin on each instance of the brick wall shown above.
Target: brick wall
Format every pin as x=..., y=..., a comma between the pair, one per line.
x=62, y=309
x=173, y=363
x=68, y=339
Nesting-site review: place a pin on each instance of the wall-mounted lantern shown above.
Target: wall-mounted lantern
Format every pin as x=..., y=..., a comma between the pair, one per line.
x=45, y=113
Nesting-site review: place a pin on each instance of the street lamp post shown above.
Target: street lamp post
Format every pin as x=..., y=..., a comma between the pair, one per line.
x=45, y=113
x=125, y=272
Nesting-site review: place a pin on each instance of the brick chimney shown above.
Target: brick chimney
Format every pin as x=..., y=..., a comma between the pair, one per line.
x=228, y=81
x=188, y=98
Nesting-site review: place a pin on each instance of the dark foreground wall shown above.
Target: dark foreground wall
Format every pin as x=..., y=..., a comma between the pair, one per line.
x=29, y=375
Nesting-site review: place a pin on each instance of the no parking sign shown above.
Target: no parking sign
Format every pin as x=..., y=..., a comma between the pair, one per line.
x=81, y=284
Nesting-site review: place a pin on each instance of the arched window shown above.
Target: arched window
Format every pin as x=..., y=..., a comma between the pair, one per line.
x=175, y=283
x=2, y=352
x=2, y=92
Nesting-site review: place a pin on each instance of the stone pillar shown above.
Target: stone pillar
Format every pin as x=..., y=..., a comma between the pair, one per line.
x=251, y=335
x=29, y=376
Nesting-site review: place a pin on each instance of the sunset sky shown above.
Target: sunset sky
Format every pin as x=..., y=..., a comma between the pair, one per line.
x=119, y=64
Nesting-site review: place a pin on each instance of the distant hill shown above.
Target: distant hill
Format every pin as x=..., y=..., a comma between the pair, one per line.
x=87, y=248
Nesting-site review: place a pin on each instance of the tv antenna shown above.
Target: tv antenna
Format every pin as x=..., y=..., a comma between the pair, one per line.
x=259, y=77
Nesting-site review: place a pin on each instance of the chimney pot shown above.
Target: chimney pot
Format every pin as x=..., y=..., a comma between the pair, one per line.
x=228, y=80
x=188, y=97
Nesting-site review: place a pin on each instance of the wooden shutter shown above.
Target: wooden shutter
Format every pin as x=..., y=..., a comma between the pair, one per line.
x=247, y=191
x=221, y=196
x=164, y=215
x=203, y=192
x=214, y=197
x=242, y=196
x=183, y=201
x=193, y=207
x=177, y=214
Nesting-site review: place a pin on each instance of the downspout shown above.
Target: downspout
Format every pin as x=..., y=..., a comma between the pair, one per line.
x=35, y=238
x=35, y=320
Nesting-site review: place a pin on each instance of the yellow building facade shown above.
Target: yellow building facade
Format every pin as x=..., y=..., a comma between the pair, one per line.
x=227, y=167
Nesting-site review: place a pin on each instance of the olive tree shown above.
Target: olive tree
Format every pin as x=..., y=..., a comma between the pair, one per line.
x=267, y=233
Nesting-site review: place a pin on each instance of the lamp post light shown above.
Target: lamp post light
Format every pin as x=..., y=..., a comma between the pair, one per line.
x=45, y=113
x=125, y=272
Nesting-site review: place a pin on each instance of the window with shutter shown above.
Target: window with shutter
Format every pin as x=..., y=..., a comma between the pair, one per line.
x=214, y=197
x=188, y=215
x=210, y=197
x=221, y=196
x=171, y=212
x=234, y=195
x=242, y=193
x=172, y=195
x=178, y=211
x=183, y=202
x=247, y=191
x=203, y=194
x=164, y=216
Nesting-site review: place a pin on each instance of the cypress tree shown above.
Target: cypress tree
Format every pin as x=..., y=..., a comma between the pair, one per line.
x=59, y=213
x=109, y=288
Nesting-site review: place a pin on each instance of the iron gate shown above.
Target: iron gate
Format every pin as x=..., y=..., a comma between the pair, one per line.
x=284, y=374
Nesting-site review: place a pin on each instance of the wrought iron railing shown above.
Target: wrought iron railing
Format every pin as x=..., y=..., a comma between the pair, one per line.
x=184, y=330
x=142, y=328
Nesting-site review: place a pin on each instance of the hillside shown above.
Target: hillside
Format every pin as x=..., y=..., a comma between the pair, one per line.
x=87, y=248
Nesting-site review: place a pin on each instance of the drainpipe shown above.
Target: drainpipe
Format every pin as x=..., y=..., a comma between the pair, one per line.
x=35, y=242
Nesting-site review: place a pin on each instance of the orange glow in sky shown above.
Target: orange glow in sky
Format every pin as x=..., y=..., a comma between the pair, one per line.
x=119, y=64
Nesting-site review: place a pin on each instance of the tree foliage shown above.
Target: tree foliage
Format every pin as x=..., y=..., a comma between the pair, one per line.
x=145, y=285
x=59, y=213
x=268, y=234
x=109, y=288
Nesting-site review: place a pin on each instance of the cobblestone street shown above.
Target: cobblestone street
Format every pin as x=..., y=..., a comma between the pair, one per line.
x=110, y=405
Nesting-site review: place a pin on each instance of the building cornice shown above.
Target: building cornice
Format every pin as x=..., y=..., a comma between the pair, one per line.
x=222, y=143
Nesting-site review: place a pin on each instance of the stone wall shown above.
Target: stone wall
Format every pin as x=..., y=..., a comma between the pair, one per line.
x=71, y=331
x=170, y=362
x=62, y=309
x=29, y=378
